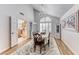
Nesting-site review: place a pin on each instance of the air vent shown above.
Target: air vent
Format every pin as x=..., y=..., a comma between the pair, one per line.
x=21, y=13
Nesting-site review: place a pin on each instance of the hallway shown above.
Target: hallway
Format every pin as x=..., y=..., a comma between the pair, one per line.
x=39, y=29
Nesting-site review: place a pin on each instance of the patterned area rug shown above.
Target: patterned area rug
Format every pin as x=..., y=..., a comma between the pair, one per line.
x=28, y=49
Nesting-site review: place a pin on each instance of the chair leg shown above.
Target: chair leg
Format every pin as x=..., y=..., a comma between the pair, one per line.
x=48, y=43
x=40, y=49
x=44, y=48
x=34, y=48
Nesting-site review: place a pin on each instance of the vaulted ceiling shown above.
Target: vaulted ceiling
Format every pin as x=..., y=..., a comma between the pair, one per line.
x=57, y=10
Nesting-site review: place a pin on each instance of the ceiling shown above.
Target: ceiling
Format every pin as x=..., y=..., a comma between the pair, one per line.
x=56, y=10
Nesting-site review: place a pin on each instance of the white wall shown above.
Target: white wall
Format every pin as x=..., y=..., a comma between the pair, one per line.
x=71, y=38
x=13, y=11
x=37, y=21
x=4, y=33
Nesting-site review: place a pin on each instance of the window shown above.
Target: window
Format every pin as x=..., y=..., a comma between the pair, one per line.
x=45, y=24
x=45, y=19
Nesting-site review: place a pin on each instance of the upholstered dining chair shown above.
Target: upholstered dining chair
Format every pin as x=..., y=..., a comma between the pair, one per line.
x=38, y=41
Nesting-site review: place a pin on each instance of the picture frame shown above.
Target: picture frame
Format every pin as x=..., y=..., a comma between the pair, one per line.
x=71, y=22
x=57, y=28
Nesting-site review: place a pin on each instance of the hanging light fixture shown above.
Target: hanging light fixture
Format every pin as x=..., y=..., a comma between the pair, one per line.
x=42, y=11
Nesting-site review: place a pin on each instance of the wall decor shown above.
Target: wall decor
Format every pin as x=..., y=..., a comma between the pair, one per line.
x=57, y=28
x=71, y=22
x=63, y=23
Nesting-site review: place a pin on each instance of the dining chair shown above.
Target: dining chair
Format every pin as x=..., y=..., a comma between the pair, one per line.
x=38, y=42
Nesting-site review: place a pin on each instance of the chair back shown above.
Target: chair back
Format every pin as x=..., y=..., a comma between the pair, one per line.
x=39, y=38
x=35, y=37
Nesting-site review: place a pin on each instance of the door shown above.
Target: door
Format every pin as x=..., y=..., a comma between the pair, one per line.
x=14, y=27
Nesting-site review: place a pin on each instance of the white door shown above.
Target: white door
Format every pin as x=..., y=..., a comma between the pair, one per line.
x=14, y=28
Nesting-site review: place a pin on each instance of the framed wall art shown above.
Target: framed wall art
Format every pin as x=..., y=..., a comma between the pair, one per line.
x=71, y=22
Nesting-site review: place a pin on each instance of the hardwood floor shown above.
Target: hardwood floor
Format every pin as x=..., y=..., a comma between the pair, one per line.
x=11, y=50
x=64, y=50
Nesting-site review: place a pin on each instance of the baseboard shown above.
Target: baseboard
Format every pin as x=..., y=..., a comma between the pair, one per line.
x=4, y=51
x=71, y=49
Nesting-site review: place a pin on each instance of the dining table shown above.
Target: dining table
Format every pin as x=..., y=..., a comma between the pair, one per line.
x=45, y=38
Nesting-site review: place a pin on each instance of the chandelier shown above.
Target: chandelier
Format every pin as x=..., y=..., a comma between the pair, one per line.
x=43, y=9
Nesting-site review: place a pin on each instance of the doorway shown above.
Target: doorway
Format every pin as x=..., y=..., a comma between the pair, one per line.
x=22, y=30
x=18, y=31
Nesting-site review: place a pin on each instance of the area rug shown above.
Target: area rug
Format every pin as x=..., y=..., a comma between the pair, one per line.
x=28, y=49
